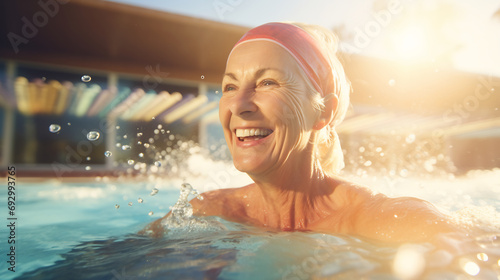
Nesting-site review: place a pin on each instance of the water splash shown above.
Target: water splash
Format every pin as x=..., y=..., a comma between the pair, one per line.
x=181, y=216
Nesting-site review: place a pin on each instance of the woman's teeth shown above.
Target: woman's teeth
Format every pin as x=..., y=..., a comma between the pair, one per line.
x=252, y=132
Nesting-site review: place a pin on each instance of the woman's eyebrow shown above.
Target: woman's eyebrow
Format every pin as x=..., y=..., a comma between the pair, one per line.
x=261, y=72
x=258, y=73
x=231, y=75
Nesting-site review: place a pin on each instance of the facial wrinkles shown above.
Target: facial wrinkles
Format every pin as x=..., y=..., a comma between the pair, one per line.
x=292, y=127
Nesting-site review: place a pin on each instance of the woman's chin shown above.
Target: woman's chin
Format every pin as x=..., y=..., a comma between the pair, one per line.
x=251, y=166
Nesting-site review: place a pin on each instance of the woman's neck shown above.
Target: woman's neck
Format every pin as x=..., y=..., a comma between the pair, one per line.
x=292, y=196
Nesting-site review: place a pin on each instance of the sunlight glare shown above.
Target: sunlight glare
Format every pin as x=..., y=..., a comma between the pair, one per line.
x=411, y=43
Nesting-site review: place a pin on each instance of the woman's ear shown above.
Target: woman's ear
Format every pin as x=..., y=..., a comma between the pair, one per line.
x=331, y=102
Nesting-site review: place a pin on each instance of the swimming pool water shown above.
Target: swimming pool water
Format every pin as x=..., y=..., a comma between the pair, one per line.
x=75, y=231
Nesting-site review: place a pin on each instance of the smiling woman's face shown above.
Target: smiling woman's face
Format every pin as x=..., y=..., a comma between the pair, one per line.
x=259, y=125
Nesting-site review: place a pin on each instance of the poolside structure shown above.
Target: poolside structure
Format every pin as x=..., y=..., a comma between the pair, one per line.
x=98, y=65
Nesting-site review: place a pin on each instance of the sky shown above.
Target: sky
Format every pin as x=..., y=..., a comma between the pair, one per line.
x=462, y=34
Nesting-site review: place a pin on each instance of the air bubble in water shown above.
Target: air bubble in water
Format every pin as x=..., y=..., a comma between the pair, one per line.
x=139, y=134
x=117, y=206
x=125, y=136
x=141, y=155
x=361, y=149
x=160, y=126
x=125, y=147
x=130, y=161
x=151, y=140
x=156, y=131
x=367, y=163
x=69, y=124
x=130, y=203
x=93, y=135
x=54, y=128
x=86, y=78
x=154, y=191
x=107, y=153
x=117, y=127
x=88, y=158
x=202, y=77
x=150, y=213
x=392, y=82
x=88, y=168
x=410, y=138
x=157, y=163
x=140, y=200
x=146, y=145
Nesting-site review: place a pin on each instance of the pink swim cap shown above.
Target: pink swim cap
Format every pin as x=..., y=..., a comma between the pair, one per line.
x=302, y=46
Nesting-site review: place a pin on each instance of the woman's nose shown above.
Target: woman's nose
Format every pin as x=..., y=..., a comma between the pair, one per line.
x=243, y=102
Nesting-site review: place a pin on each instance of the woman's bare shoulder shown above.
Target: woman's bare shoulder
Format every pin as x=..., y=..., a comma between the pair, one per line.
x=221, y=201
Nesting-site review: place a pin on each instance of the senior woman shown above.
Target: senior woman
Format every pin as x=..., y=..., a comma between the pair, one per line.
x=284, y=92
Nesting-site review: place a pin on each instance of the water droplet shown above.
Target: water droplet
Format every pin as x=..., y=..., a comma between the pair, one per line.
x=392, y=82
x=130, y=203
x=470, y=267
x=150, y=213
x=367, y=163
x=154, y=191
x=130, y=161
x=54, y=128
x=117, y=206
x=160, y=126
x=141, y=155
x=139, y=134
x=88, y=158
x=482, y=257
x=88, y=168
x=86, y=78
x=139, y=143
x=157, y=163
x=492, y=89
x=153, y=118
x=156, y=131
x=361, y=149
x=216, y=92
x=117, y=127
x=410, y=138
x=202, y=77
x=403, y=172
x=378, y=149
x=151, y=140
x=69, y=124
x=140, y=200
x=125, y=147
x=171, y=137
x=93, y=135
x=146, y=145
x=168, y=131
x=125, y=136
x=107, y=153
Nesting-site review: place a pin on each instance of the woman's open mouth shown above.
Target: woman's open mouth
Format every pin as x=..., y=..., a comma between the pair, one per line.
x=252, y=134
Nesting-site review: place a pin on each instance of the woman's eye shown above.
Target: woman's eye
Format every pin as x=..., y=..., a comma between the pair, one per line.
x=229, y=88
x=268, y=83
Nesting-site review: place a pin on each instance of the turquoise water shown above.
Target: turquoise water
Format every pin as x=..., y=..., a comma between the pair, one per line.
x=76, y=231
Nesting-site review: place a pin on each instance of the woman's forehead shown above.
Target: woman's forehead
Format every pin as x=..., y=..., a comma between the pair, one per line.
x=256, y=55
